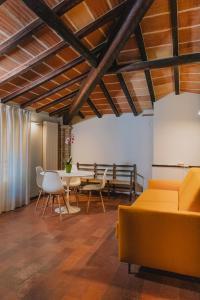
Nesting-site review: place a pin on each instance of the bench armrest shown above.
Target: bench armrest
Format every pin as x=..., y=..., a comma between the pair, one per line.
x=173, y=185
x=163, y=240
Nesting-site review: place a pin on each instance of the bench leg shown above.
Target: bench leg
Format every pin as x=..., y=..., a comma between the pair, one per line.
x=130, y=195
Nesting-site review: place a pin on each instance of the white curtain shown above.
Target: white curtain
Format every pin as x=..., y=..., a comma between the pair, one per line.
x=14, y=157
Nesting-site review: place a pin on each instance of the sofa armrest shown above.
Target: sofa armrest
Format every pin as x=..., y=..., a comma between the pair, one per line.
x=162, y=240
x=157, y=184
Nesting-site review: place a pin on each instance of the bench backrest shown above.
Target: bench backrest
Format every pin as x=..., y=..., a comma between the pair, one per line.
x=115, y=171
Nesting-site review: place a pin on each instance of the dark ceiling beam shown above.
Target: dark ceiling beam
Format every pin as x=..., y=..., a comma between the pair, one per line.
x=80, y=114
x=143, y=54
x=57, y=101
x=109, y=98
x=113, y=31
x=127, y=94
x=174, y=23
x=42, y=10
x=132, y=16
x=93, y=108
x=53, y=50
x=34, y=26
x=49, y=76
x=54, y=90
x=60, y=111
x=157, y=63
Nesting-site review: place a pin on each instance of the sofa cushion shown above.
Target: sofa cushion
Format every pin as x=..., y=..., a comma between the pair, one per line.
x=189, y=193
x=158, y=200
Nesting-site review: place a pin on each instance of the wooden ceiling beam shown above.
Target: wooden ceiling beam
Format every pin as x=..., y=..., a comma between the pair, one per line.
x=53, y=50
x=34, y=26
x=60, y=111
x=127, y=94
x=42, y=10
x=57, y=101
x=157, y=63
x=44, y=95
x=80, y=114
x=143, y=54
x=109, y=98
x=54, y=90
x=174, y=23
x=131, y=18
x=49, y=76
x=93, y=108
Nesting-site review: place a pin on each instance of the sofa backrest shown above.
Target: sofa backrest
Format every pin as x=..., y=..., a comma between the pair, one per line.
x=189, y=193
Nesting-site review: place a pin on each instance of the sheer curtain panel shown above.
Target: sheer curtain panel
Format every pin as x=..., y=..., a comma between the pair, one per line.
x=14, y=157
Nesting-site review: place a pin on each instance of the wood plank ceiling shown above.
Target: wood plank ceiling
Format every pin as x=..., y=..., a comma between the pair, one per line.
x=39, y=68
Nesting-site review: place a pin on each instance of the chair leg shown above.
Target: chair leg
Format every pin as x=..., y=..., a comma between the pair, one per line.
x=77, y=196
x=102, y=201
x=64, y=200
x=89, y=198
x=59, y=208
x=108, y=191
x=46, y=204
x=38, y=199
x=52, y=203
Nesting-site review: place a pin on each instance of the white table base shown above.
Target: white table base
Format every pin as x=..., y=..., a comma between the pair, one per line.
x=68, y=176
x=72, y=209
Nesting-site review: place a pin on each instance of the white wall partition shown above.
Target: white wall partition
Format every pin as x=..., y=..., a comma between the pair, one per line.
x=50, y=146
x=176, y=134
x=37, y=146
x=126, y=139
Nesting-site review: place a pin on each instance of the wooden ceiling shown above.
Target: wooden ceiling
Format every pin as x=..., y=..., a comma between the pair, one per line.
x=41, y=67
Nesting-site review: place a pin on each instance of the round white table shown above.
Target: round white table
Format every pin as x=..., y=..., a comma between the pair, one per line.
x=67, y=177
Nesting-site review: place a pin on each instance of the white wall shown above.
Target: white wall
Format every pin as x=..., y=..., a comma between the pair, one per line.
x=126, y=139
x=37, y=147
x=176, y=133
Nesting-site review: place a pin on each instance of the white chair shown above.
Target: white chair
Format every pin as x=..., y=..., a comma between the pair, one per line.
x=39, y=180
x=52, y=185
x=74, y=184
x=96, y=187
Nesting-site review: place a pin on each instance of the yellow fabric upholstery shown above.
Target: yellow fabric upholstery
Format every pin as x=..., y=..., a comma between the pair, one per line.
x=189, y=194
x=173, y=185
x=160, y=239
x=157, y=231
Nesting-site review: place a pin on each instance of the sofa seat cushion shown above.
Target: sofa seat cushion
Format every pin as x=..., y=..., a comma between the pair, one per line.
x=158, y=200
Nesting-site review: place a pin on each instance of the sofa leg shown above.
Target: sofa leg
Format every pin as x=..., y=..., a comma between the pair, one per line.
x=129, y=268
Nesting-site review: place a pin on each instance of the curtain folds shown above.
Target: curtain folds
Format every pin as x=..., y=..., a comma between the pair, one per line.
x=14, y=157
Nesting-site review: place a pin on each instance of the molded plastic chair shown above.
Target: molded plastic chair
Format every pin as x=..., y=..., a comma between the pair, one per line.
x=39, y=180
x=96, y=187
x=53, y=186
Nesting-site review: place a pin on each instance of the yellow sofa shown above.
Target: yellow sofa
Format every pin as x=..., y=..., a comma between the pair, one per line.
x=161, y=229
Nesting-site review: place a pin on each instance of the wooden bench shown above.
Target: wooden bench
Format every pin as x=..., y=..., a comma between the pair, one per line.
x=121, y=178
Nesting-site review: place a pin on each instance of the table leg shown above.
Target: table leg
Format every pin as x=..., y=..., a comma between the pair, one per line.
x=71, y=209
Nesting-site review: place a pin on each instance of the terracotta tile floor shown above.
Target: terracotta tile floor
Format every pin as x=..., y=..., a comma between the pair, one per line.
x=45, y=259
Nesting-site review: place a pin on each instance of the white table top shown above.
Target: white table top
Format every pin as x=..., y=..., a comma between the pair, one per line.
x=78, y=173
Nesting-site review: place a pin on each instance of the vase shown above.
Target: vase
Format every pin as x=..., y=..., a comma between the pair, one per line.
x=68, y=168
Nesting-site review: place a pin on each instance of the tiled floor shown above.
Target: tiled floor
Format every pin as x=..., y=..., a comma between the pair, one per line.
x=43, y=258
